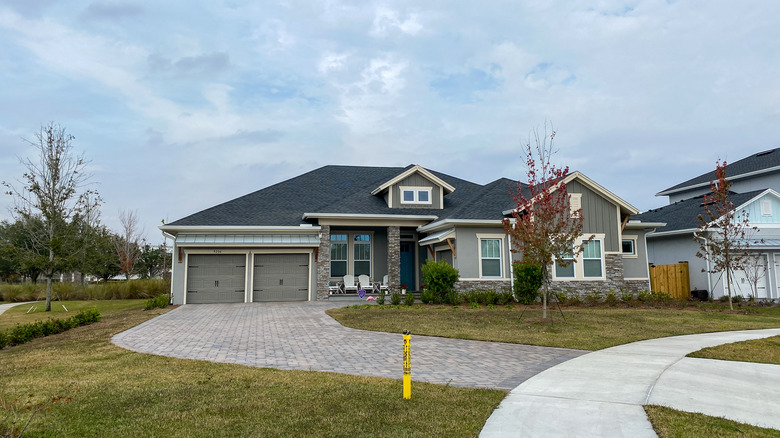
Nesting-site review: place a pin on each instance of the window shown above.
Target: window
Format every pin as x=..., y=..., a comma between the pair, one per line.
x=415, y=195
x=591, y=259
x=362, y=253
x=338, y=255
x=565, y=271
x=490, y=254
x=628, y=247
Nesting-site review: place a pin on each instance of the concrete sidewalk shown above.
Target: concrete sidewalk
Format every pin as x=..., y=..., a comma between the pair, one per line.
x=4, y=307
x=602, y=393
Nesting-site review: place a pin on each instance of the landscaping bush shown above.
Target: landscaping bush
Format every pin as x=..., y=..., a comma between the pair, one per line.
x=395, y=299
x=160, y=301
x=380, y=299
x=627, y=297
x=23, y=333
x=593, y=297
x=611, y=299
x=409, y=299
x=528, y=280
x=440, y=278
x=426, y=296
x=452, y=297
x=505, y=297
x=22, y=292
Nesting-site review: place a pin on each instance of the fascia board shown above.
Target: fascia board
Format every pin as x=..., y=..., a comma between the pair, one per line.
x=706, y=184
x=449, y=222
x=672, y=233
x=173, y=229
x=409, y=217
x=414, y=169
x=642, y=225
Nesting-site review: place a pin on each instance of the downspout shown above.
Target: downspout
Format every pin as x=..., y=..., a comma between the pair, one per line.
x=511, y=263
x=647, y=263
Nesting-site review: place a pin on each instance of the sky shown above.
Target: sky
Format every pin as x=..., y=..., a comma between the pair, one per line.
x=182, y=105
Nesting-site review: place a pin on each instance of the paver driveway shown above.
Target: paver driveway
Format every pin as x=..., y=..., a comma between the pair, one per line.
x=300, y=336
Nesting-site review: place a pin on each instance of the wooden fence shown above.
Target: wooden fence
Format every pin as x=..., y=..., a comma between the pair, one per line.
x=672, y=279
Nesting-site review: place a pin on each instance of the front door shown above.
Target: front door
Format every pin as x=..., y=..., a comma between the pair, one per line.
x=407, y=264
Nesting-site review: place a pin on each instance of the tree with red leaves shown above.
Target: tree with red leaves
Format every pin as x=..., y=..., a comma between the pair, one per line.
x=724, y=235
x=544, y=228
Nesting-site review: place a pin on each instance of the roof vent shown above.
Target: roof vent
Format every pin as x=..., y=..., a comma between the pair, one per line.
x=761, y=154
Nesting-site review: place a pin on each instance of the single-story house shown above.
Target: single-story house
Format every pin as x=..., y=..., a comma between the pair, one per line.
x=296, y=239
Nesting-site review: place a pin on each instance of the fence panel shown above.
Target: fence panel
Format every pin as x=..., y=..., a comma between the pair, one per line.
x=672, y=279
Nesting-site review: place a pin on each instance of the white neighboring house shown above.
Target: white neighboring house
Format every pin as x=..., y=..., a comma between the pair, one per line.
x=755, y=190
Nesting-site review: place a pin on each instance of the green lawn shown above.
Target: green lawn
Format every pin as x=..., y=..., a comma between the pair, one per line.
x=32, y=312
x=670, y=423
x=766, y=350
x=588, y=328
x=119, y=393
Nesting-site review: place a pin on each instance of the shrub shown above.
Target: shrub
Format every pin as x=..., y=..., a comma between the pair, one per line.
x=644, y=296
x=627, y=297
x=3, y=340
x=381, y=298
x=160, y=301
x=736, y=298
x=426, y=296
x=505, y=297
x=528, y=280
x=452, y=297
x=395, y=299
x=593, y=297
x=573, y=299
x=409, y=299
x=23, y=333
x=440, y=278
x=611, y=299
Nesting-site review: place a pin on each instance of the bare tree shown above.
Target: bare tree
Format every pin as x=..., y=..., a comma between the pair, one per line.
x=128, y=243
x=755, y=271
x=47, y=197
x=724, y=234
x=545, y=228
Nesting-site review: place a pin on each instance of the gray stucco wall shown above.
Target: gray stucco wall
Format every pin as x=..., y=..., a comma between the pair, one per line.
x=416, y=180
x=599, y=214
x=636, y=267
x=467, y=247
x=667, y=250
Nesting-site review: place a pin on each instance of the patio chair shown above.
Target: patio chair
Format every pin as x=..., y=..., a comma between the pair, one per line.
x=349, y=284
x=365, y=283
x=384, y=286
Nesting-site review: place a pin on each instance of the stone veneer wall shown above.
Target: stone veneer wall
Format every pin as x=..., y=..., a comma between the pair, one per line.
x=614, y=280
x=323, y=264
x=498, y=286
x=394, y=258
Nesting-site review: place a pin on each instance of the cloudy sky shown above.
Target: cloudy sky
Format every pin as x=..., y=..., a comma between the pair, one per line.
x=181, y=105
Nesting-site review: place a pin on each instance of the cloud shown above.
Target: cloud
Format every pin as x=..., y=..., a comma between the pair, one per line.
x=201, y=66
x=109, y=10
x=385, y=20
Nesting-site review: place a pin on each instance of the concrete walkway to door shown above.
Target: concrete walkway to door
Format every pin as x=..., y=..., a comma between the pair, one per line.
x=301, y=336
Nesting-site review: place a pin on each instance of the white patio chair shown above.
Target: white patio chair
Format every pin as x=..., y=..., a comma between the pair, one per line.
x=365, y=283
x=349, y=284
x=384, y=286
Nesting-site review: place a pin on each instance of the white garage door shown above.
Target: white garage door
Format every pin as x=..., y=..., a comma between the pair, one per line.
x=281, y=277
x=216, y=278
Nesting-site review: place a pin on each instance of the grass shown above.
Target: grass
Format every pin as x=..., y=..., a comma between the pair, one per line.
x=19, y=315
x=119, y=393
x=672, y=423
x=123, y=290
x=766, y=350
x=587, y=328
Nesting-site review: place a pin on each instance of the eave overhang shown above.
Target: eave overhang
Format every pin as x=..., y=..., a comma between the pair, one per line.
x=173, y=230
x=461, y=222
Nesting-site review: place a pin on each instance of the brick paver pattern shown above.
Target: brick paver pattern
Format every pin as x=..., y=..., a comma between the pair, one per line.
x=300, y=336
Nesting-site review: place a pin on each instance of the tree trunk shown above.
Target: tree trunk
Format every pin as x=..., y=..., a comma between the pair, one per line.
x=545, y=276
x=728, y=286
x=49, y=275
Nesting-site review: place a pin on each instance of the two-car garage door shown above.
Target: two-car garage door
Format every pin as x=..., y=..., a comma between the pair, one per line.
x=221, y=278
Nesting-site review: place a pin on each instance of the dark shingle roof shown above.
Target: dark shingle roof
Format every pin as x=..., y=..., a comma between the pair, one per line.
x=346, y=189
x=756, y=162
x=683, y=215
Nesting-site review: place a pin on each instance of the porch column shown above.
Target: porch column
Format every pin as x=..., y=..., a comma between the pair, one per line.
x=323, y=263
x=394, y=258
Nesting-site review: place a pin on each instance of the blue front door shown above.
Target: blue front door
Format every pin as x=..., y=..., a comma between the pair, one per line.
x=407, y=264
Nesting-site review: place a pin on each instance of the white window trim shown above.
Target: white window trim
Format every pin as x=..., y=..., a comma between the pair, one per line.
x=502, y=260
x=633, y=255
x=416, y=190
x=766, y=207
x=351, y=251
x=579, y=271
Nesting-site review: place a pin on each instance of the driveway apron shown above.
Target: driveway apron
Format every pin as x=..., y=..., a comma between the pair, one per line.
x=300, y=336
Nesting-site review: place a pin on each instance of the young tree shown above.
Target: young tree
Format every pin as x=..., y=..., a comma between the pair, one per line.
x=51, y=189
x=755, y=271
x=544, y=228
x=128, y=243
x=723, y=234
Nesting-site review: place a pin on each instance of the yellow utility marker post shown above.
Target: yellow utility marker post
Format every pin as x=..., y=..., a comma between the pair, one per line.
x=407, y=365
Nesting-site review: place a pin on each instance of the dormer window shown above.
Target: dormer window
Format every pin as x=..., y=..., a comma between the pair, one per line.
x=415, y=195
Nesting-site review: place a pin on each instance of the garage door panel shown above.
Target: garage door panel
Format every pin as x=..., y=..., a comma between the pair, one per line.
x=281, y=277
x=216, y=278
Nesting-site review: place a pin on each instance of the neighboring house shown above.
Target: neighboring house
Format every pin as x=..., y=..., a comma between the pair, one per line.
x=755, y=187
x=296, y=239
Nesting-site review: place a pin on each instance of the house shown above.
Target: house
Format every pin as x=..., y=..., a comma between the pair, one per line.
x=295, y=240
x=755, y=186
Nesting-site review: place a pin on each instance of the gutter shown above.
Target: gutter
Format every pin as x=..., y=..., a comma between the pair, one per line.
x=445, y=222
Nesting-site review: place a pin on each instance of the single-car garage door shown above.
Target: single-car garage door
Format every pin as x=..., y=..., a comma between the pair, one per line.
x=281, y=277
x=216, y=278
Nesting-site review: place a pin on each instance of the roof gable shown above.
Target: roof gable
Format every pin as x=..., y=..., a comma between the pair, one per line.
x=414, y=169
x=756, y=164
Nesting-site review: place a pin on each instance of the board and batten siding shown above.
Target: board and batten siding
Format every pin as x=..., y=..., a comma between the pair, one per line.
x=416, y=180
x=600, y=216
